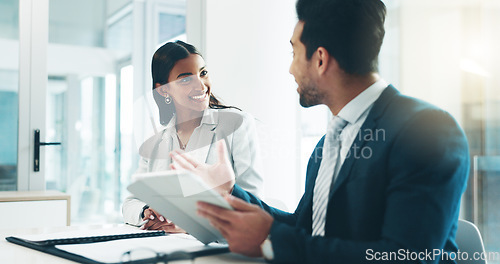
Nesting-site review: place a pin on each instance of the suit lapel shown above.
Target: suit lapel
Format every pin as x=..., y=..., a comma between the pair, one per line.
x=204, y=142
x=368, y=126
x=205, y=136
x=355, y=151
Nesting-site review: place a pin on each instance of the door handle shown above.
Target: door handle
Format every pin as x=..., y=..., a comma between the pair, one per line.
x=36, y=165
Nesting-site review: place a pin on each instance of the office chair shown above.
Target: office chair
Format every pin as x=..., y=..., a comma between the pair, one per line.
x=483, y=166
x=469, y=240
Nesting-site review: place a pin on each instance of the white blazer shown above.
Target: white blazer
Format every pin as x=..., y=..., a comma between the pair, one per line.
x=237, y=128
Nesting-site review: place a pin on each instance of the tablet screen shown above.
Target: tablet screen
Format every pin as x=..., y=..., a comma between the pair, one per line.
x=174, y=194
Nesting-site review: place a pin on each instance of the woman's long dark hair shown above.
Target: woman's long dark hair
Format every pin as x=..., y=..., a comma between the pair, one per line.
x=162, y=64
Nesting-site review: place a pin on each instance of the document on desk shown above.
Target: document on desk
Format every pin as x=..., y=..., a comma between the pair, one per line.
x=118, y=245
x=89, y=236
x=140, y=248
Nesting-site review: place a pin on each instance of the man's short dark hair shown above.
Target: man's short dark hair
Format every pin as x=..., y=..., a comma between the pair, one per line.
x=352, y=31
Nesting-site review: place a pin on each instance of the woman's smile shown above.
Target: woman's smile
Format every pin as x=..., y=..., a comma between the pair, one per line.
x=199, y=98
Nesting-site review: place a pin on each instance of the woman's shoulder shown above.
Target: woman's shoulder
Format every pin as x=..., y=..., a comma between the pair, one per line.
x=230, y=120
x=232, y=114
x=148, y=148
x=228, y=110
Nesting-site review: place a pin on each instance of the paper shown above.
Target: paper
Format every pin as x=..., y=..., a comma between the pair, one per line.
x=113, y=251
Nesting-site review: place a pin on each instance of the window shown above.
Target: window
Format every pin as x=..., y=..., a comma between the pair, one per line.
x=444, y=52
x=9, y=93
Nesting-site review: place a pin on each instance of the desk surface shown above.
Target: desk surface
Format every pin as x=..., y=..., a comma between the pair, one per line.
x=16, y=196
x=15, y=254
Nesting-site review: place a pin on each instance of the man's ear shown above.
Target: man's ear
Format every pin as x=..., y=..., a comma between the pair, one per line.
x=324, y=61
x=161, y=89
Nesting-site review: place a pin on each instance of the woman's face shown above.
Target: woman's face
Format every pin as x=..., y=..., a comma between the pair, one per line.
x=188, y=85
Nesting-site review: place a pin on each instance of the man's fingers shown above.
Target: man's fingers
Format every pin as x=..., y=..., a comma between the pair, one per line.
x=216, y=222
x=221, y=227
x=215, y=211
x=240, y=205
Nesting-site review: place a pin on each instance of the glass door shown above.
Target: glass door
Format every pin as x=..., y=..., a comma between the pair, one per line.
x=81, y=108
x=74, y=71
x=9, y=93
x=22, y=92
x=95, y=96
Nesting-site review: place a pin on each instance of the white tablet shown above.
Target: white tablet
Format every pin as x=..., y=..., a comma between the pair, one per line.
x=174, y=194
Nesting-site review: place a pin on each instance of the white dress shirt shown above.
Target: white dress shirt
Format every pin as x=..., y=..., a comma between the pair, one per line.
x=355, y=113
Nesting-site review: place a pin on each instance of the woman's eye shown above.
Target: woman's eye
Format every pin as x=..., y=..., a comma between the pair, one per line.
x=204, y=73
x=186, y=80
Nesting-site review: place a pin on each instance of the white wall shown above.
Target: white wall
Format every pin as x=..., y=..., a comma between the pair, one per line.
x=247, y=48
x=431, y=53
x=114, y=6
x=91, y=61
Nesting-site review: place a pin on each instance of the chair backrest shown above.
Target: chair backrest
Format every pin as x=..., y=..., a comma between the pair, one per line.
x=469, y=240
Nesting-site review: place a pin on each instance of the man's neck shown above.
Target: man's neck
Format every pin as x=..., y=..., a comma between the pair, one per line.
x=347, y=88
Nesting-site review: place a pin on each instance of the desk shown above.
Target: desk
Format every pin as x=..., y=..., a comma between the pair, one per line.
x=15, y=254
x=49, y=208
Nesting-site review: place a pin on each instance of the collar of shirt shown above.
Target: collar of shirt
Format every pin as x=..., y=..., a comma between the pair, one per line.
x=210, y=117
x=353, y=110
x=356, y=112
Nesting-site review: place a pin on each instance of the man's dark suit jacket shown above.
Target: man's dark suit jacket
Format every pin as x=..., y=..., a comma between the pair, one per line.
x=398, y=191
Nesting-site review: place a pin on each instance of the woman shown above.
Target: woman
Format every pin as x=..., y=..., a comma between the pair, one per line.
x=194, y=120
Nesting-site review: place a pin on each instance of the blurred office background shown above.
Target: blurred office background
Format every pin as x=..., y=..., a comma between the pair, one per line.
x=80, y=72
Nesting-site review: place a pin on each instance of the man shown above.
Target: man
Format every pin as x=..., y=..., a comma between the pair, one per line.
x=386, y=180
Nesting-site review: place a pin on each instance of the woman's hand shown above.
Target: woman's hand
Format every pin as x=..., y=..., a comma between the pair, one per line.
x=219, y=176
x=159, y=222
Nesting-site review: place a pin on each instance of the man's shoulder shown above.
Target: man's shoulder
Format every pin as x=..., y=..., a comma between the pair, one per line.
x=415, y=120
x=399, y=109
x=410, y=104
x=394, y=100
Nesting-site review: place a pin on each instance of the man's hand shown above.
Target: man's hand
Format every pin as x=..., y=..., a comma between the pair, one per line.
x=244, y=229
x=219, y=176
x=159, y=222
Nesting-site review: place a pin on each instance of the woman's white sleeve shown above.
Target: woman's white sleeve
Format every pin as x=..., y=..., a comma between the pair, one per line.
x=245, y=154
x=132, y=207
